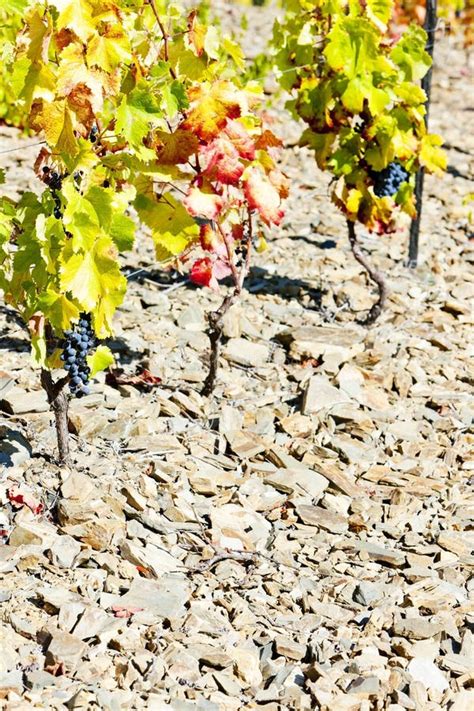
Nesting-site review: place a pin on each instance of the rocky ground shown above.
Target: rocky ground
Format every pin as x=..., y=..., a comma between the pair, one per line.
x=301, y=540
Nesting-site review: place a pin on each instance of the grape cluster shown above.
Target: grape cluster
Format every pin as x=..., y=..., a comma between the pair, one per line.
x=76, y=345
x=388, y=180
x=54, y=181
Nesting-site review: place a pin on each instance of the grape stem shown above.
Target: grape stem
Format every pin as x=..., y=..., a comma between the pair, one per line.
x=373, y=273
x=164, y=34
x=59, y=405
x=216, y=318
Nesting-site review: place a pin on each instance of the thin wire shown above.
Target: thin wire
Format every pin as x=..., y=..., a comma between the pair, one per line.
x=22, y=148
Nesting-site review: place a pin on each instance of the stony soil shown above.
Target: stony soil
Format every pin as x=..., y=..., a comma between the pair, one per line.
x=301, y=540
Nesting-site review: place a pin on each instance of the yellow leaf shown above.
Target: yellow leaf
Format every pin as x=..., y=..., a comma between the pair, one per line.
x=57, y=124
x=109, y=49
x=94, y=276
x=101, y=359
x=173, y=229
x=211, y=106
x=431, y=156
x=353, y=201
x=76, y=16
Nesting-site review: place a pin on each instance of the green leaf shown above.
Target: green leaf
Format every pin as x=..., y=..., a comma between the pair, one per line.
x=38, y=350
x=321, y=143
x=410, y=54
x=352, y=48
x=100, y=360
x=137, y=114
x=110, y=207
x=14, y=6
x=379, y=12
x=361, y=89
x=94, y=280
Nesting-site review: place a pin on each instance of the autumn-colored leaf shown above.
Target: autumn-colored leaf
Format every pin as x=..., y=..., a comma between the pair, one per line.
x=176, y=147
x=268, y=140
x=262, y=195
x=144, y=379
x=203, y=204
x=211, y=105
x=280, y=182
x=19, y=498
x=221, y=161
x=241, y=139
x=212, y=241
x=207, y=272
x=196, y=33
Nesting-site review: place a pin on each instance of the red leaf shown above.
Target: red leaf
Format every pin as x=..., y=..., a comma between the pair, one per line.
x=242, y=140
x=263, y=196
x=144, y=378
x=201, y=273
x=201, y=204
x=19, y=498
x=206, y=272
x=222, y=161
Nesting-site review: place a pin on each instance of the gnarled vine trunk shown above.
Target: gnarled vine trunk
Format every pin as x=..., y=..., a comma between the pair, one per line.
x=216, y=318
x=374, y=274
x=59, y=405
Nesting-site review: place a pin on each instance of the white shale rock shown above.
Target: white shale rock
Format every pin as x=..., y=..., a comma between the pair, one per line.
x=426, y=672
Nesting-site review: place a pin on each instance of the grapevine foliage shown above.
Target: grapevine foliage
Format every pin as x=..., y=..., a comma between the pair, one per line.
x=358, y=93
x=143, y=113
x=456, y=15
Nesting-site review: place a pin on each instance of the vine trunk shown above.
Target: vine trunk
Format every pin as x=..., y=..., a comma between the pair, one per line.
x=216, y=318
x=373, y=273
x=59, y=405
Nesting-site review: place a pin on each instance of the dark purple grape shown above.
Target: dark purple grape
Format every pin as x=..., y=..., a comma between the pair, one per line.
x=387, y=181
x=76, y=345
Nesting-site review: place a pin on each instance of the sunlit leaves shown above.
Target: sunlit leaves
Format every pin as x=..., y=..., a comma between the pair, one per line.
x=137, y=112
x=57, y=123
x=352, y=47
x=132, y=116
x=211, y=106
x=93, y=279
x=432, y=158
x=108, y=49
x=173, y=228
x=410, y=54
x=175, y=147
x=379, y=12
x=101, y=359
x=262, y=195
x=200, y=203
x=60, y=309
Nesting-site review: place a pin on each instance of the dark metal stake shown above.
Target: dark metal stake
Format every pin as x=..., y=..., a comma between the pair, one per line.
x=430, y=27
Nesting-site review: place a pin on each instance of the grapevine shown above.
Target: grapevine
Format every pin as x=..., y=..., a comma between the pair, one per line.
x=357, y=91
x=141, y=107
